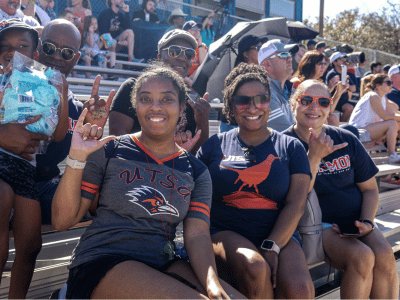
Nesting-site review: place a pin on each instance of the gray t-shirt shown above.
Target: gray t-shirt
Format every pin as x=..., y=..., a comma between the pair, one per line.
x=142, y=200
x=280, y=117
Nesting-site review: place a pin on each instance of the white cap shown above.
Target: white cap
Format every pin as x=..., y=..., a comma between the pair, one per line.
x=394, y=70
x=336, y=55
x=275, y=46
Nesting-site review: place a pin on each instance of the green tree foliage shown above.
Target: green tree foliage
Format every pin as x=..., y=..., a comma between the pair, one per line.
x=377, y=30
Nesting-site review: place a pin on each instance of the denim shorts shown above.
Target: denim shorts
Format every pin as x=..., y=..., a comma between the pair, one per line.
x=295, y=236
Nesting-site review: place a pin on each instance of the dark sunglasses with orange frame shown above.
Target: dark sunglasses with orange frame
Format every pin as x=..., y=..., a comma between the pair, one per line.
x=307, y=100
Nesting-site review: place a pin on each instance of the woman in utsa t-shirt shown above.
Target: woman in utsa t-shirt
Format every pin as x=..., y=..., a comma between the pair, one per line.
x=260, y=182
x=348, y=194
x=148, y=186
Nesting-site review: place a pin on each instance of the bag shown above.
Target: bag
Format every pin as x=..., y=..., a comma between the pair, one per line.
x=310, y=229
x=108, y=40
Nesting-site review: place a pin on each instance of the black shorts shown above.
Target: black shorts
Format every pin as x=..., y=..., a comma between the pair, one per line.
x=19, y=174
x=83, y=279
x=343, y=102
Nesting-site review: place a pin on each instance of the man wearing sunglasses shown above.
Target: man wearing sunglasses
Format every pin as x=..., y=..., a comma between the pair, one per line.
x=276, y=58
x=333, y=77
x=394, y=75
x=176, y=49
x=59, y=49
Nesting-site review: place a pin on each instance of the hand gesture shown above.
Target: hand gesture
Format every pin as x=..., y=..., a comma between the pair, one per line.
x=125, y=8
x=85, y=139
x=96, y=104
x=185, y=140
x=201, y=110
x=322, y=145
x=272, y=259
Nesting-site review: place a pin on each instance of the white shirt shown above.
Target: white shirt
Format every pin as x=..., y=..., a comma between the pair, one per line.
x=19, y=15
x=363, y=114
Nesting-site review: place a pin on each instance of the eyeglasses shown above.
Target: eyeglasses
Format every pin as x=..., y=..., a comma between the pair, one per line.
x=388, y=82
x=323, y=102
x=195, y=28
x=260, y=101
x=282, y=55
x=50, y=49
x=175, y=51
x=256, y=48
x=322, y=63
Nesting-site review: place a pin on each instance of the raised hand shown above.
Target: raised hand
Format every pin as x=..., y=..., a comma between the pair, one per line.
x=185, y=140
x=201, y=109
x=85, y=139
x=322, y=145
x=96, y=104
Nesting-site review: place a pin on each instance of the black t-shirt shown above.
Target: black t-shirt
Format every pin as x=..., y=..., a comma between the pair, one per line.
x=113, y=23
x=394, y=96
x=122, y=104
x=139, y=14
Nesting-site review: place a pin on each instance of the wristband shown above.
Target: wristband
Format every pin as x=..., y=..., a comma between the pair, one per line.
x=368, y=222
x=75, y=164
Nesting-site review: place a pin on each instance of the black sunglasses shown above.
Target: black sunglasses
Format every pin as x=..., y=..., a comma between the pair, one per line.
x=175, y=51
x=388, y=82
x=50, y=49
x=260, y=101
x=322, y=102
x=249, y=153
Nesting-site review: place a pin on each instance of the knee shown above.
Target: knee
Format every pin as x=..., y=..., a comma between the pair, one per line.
x=348, y=108
x=130, y=32
x=361, y=260
x=384, y=260
x=300, y=289
x=393, y=124
x=257, y=270
x=6, y=191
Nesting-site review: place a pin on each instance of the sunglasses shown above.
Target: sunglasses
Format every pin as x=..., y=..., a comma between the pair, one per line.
x=260, y=101
x=249, y=153
x=322, y=63
x=175, y=51
x=323, y=102
x=256, y=48
x=50, y=49
x=388, y=82
x=282, y=55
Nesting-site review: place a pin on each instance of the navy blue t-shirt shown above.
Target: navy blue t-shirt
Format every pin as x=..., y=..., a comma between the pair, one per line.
x=335, y=184
x=46, y=164
x=249, y=195
x=113, y=23
x=345, y=96
x=394, y=96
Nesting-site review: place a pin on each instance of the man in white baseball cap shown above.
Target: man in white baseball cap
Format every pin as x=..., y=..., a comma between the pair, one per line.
x=276, y=57
x=394, y=75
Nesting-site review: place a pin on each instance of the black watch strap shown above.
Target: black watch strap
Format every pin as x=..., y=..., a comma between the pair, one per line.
x=368, y=222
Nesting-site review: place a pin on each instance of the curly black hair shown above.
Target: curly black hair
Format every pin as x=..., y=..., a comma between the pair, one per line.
x=240, y=75
x=164, y=71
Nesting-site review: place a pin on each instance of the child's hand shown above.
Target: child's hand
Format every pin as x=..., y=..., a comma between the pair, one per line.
x=91, y=29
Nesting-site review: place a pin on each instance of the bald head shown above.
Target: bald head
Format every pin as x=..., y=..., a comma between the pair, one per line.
x=61, y=34
x=64, y=29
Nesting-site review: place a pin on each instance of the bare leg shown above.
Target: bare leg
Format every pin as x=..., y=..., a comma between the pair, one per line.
x=88, y=63
x=6, y=204
x=354, y=258
x=387, y=128
x=28, y=243
x=385, y=284
x=112, y=57
x=132, y=279
x=128, y=36
x=293, y=278
x=240, y=264
x=347, y=110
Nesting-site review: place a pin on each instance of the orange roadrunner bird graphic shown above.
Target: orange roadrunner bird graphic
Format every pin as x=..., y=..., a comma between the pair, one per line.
x=254, y=175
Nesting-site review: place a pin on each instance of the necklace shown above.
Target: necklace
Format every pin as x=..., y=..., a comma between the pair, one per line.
x=169, y=247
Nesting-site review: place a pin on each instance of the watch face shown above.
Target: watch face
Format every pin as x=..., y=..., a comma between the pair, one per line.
x=266, y=244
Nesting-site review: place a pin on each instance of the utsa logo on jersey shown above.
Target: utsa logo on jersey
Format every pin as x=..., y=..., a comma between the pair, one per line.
x=152, y=201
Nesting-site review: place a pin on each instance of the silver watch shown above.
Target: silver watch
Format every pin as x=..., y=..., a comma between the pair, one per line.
x=75, y=164
x=270, y=245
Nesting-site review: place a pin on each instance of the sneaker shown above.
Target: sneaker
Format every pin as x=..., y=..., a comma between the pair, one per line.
x=394, y=158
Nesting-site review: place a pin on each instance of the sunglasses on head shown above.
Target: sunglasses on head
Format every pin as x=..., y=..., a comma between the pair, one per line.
x=282, y=55
x=307, y=100
x=175, y=51
x=260, y=101
x=388, y=82
x=256, y=47
x=50, y=49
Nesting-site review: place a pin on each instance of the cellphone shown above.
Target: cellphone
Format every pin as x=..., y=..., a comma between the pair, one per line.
x=349, y=229
x=344, y=74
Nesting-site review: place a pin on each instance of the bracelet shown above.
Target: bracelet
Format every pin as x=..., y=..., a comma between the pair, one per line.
x=368, y=222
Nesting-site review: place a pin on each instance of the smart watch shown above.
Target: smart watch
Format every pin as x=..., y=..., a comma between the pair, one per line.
x=75, y=164
x=269, y=245
x=368, y=222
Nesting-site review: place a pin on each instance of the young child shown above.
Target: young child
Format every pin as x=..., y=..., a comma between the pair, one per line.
x=18, y=195
x=68, y=15
x=91, y=45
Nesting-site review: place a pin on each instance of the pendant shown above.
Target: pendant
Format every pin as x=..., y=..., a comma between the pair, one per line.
x=169, y=249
